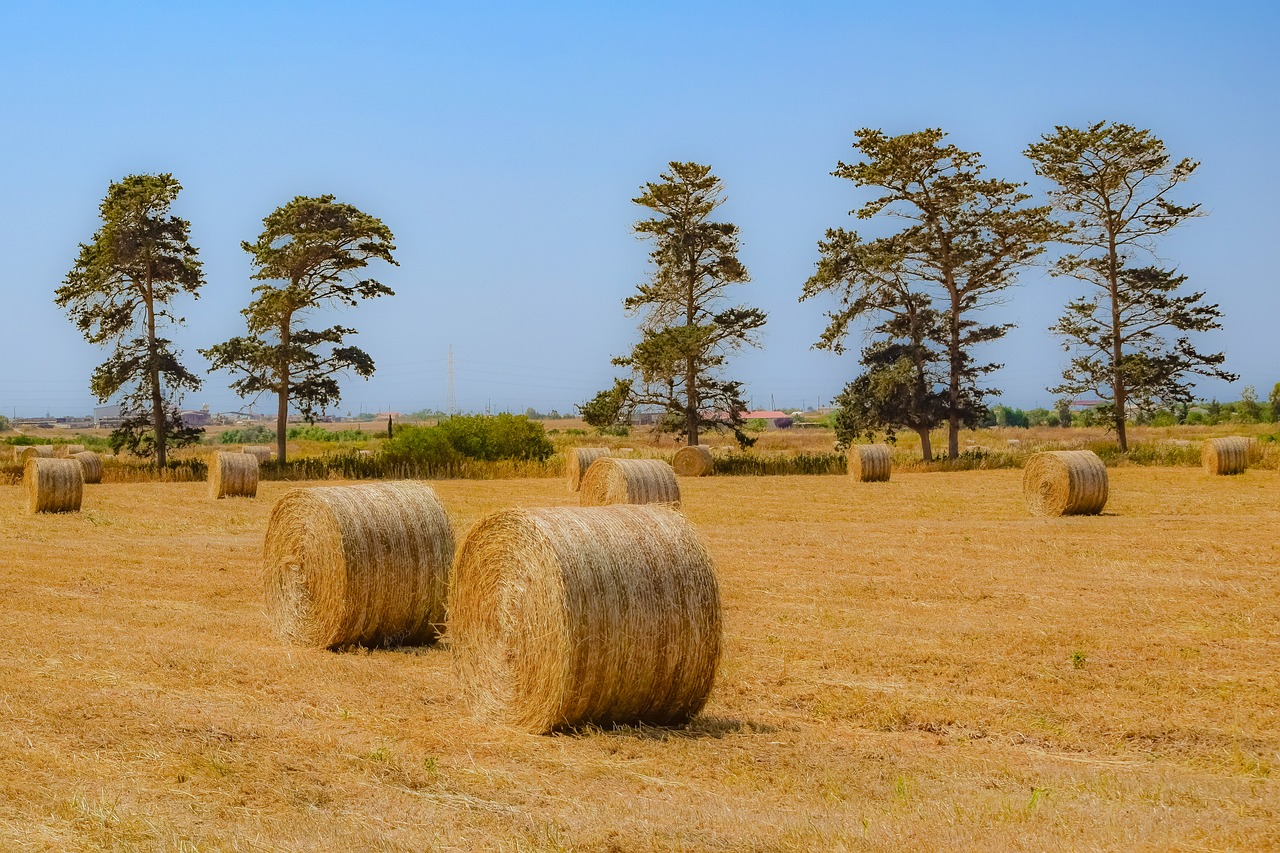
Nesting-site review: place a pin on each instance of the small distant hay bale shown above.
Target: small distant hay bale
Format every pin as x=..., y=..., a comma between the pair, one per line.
x=233, y=475
x=258, y=451
x=577, y=460
x=1225, y=455
x=364, y=453
x=869, y=462
x=574, y=615
x=693, y=461
x=91, y=465
x=629, y=481
x=365, y=565
x=1065, y=482
x=66, y=451
x=53, y=485
x=33, y=451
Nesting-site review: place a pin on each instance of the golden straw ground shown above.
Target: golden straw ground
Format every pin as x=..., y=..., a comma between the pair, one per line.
x=629, y=481
x=1065, y=482
x=922, y=665
x=559, y=617
x=366, y=564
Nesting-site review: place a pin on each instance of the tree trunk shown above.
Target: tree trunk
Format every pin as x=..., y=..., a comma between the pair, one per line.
x=1117, y=352
x=282, y=394
x=954, y=362
x=926, y=448
x=691, y=405
x=158, y=422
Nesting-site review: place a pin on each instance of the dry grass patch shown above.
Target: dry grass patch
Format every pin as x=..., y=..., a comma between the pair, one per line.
x=923, y=666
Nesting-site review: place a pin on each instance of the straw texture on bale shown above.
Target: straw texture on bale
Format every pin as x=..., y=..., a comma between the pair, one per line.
x=260, y=452
x=32, y=451
x=574, y=615
x=578, y=460
x=233, y=475
x=869, y=462
x=693, y=461
x=90, y=466
x=629, y=481
x=1225, y=455
x=53, y=485
x=365, y=565
x=66, y=451
x=1065, y=482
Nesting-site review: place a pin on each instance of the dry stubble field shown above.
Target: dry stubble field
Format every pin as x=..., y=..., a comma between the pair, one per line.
x=917, y=664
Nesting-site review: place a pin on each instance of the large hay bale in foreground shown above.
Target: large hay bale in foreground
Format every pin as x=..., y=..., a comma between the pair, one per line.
x=566, y=616
x=66, y=451
x=258, y=451
x=869, y=462
x=33, y=451
x=1225, y=455
x=233, y=475
x=1065, y=482
x=365, y=564
x=693, y=461
x=577, y=460
x=53, y=485
x=629, y=481
x=90, y=466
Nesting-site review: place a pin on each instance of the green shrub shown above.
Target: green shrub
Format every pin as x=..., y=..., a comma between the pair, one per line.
x=419, y=446
x=471, y=437
x=311, y=432
x=255, y=434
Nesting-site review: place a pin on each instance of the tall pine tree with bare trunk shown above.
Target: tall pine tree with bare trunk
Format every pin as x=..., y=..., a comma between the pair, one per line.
x=965, y=239
x=1113, y=187
x=122, y=284
x=687, y=329
x=310, y=255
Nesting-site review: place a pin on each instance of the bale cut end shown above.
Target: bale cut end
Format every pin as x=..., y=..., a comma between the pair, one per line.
x=1065, y=482
x=567, y=616
x=629, y=481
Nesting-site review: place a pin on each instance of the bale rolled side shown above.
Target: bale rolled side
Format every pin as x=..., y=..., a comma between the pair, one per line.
x=629, y=481
x=869, y=462
x=1065, y=482
x=53, y=485
x=90, y=466
x=259, y=451
x=1225, y=455
x=693, y=461
x=561, y=617
x=365, y=564
x=33, y=451
x=66, y=451
x=577, y=460
x=233, y=475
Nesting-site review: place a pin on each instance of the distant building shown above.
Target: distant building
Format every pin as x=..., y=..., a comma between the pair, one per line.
x=107, y=417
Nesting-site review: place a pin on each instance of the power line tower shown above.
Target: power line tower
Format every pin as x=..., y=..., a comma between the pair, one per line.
x=451, y=398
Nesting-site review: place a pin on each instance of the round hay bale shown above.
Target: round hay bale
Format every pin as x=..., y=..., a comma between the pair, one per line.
x=90, y=465
x=258, y=451
x=365, y=564
x=1225, y=455
x=629, y=481
x=1065, y=482
x=53, y=485
x=233, y=475
x=33, y=451
x=693, y=461
x=364, y=453
x=66, y=451
x=869, y=462
x=577, y=460
x=566, y=616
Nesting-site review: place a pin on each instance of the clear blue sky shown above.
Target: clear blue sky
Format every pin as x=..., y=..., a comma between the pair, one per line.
x=502, y=143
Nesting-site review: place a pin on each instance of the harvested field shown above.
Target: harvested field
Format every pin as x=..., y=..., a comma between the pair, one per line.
x=922, y=665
